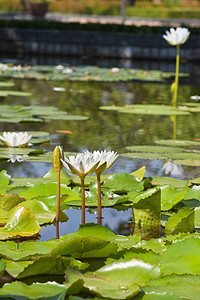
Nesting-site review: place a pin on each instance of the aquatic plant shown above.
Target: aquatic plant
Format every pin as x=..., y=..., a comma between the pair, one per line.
x=106, y=160
x=57, y=164
x=176, y=37
x=15, y=139
x=81, y=165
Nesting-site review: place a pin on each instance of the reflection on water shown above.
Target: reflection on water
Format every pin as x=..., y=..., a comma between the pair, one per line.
x=104, y=130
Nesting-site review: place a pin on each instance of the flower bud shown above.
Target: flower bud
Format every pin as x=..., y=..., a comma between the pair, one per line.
x=56, y=158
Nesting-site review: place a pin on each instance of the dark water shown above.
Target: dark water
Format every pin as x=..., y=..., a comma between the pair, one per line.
x=104, y=130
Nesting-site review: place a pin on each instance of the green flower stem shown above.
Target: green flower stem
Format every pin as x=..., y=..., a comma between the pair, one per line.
x=99, y=197
x=58, y=196
x=83, y=198
x=177, y=74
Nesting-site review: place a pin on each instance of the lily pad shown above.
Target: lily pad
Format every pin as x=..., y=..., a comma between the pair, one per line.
x=178, y=143
x=39, y=291
x=101, y=287
x=183, y=286
x=22, y=223
x=186, y=261
x=147, y=109
x=183, y=221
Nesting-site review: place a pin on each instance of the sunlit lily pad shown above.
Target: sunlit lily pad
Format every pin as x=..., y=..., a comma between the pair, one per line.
x=22, y=223
x=6, y=84
x=39, y=291
x=183, y=286
x=91, y=229
x=147, y=109
x=179, y=143
x=186, y=261
x=183, y=221
x=101, y=286
x=170, y=196
x=26, y=114
x=21, y=251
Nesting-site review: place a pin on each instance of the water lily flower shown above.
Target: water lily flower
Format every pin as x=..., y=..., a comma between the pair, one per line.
x=195, y=98
x=106, y=160
x=16, y=158
x=81, y=165
x=15, y=139
x=173, y=169
x=176, y=37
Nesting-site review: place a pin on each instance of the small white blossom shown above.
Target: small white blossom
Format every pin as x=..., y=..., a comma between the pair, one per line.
x=67, y=71
x=15, y=139
x=195, y=98
x=82, y=164
x=173, y=169
x=106, y=159
x=115, y=70
x=176, y=36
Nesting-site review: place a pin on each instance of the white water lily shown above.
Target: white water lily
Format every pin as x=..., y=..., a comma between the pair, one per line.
x=82, y=164
x=172, y=169
x=195, y=98
x=176, y=36
x=15, y=139
x=106, y=159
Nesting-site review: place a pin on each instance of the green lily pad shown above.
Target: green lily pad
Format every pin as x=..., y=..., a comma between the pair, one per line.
x=82, y=247
x=147, y=109
x=170, y=196
x=6, y=84
x=183, y=286
x=131, y=272
x=183, y=221
x=22, y=223
x=4, y=178
x=101, y=287
x=91, y=230
x=2, y=268
x=182, y=257
x=123, y=182
x=21, y=251
x=44, y=189
x=178, y=143
x=39, y=291
x=187, y=162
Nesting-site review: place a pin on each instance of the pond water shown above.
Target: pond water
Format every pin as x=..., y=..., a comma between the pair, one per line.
x=104, y=130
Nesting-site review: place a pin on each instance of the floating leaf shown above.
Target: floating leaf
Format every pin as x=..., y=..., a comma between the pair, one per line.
x=39, y=291
x=82, y=247
x=132, y=271
x=44, y=189
x=147, y=109
x=179, y=143
x=22, y=223
x=123, y=182
x=170, y=196
x=182, y=257
x=183, y=221
x=21, y=251
x=184, y=286
x=101, y=287
x=91, y=229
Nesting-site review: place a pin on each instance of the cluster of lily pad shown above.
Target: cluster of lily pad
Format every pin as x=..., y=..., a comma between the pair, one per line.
x=84, y=73
x=87, y=263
